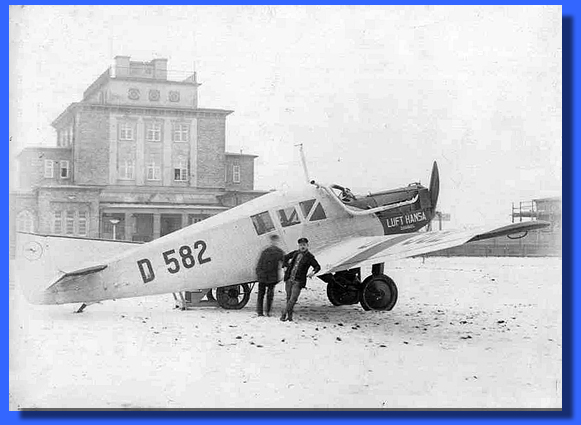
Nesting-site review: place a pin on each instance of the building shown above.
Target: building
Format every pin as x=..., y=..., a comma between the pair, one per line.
x=135, y=159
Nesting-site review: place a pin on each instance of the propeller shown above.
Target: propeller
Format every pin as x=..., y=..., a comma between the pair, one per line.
x=434, y=185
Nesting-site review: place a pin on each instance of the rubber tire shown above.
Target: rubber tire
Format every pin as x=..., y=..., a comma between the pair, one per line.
x=210, y=296
x=224, y=298
x=382, y=280
x=334, y=296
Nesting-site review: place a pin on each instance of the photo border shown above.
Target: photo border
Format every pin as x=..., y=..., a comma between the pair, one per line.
x=570, y=298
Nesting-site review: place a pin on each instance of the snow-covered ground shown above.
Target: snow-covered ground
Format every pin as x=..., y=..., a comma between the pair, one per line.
x=466, y=332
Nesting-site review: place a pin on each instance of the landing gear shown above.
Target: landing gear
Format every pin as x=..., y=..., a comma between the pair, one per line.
x=376, y=292
x=343, y=288
x=233, y=297
x=211, y=295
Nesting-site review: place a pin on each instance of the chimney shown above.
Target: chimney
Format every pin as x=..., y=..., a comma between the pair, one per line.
x=122, y=66
x=159, y=69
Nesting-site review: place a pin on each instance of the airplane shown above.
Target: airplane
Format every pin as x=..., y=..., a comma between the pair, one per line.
x=345, y=231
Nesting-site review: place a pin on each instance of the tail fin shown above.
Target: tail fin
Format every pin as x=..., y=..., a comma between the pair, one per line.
x=44, y=260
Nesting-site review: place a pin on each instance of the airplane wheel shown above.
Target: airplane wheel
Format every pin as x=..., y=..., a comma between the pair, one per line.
x=378, y=293
x=341, y=296
x=210, y=295
x=233, y=297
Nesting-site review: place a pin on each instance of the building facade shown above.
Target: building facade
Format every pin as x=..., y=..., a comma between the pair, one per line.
x=135, y=159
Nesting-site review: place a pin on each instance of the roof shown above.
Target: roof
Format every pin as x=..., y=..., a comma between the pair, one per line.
x=73, y=106
x=42, y=148
x=549, y=199
x=241, y=154
x=171, y=76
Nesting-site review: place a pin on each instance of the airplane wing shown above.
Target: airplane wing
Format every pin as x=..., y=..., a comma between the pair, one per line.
x=351, y=252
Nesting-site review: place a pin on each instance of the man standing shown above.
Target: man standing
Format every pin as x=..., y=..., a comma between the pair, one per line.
x=297, y=264
x=267, y=274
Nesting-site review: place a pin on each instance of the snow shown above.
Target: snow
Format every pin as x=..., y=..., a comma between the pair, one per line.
x=466, y=332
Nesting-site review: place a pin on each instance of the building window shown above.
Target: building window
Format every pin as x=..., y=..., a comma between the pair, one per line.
x=25, y=222
x=153, y=171
x=58, y=222
x=180, y=172
x=70, y=223
x=126, y=131
x=196, y=218
x=69, y=138
x=48, y=168
x=127, y=170
x=262, y=222
x=153, y=132
x=236, y=173
x=64, y=169
x=181, y=132
x=82, y=223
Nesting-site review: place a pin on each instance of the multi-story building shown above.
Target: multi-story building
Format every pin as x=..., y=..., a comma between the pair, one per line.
x=135, y=159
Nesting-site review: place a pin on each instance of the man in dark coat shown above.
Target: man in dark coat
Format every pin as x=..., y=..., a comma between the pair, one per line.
x=267, y=274
x=297, y=264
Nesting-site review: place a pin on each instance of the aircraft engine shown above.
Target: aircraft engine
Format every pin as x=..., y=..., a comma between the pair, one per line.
x=414, y=206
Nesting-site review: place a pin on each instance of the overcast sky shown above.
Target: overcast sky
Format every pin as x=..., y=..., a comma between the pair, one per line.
x=375, y=94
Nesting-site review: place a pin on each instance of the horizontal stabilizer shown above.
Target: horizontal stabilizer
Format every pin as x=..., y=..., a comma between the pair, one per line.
x=42, y=259
x=80, y=272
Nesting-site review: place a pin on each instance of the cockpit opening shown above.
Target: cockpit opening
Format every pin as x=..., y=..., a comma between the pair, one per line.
x=343, y=193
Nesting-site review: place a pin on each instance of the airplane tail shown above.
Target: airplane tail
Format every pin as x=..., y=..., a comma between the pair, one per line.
x=43, y=260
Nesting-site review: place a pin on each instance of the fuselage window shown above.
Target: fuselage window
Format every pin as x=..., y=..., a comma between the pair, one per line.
x=262, y=223
x=288, y=217
x=306, y=206
x=318, y=214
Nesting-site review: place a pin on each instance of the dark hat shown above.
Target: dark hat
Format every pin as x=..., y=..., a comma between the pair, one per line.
x=274, y=237
x=303, y=240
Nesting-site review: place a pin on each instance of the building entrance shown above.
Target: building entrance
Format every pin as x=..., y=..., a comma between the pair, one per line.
x=170, y=223
x=143, y=228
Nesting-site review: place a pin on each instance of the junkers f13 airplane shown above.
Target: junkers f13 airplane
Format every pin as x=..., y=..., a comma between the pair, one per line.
x=345, y=232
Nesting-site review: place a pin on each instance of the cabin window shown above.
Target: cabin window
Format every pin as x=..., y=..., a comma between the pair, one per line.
x=318, y=214
x=262, y=223
x=288, y=217
x=306, y=206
